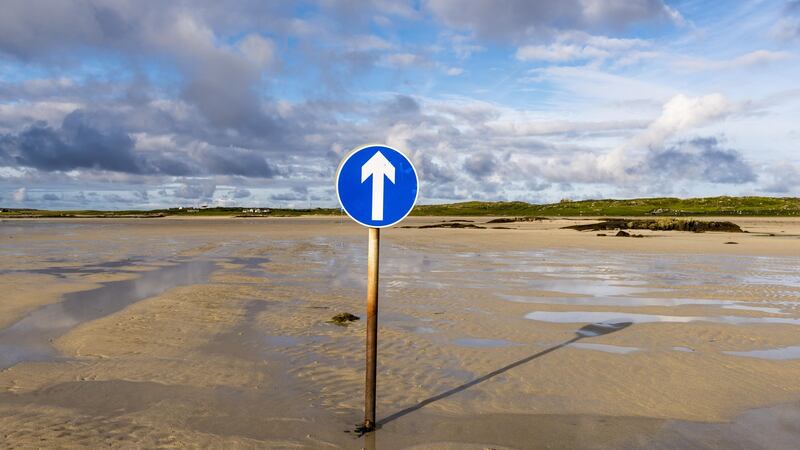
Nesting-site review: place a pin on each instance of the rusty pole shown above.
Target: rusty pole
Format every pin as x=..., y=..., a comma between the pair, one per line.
x=372, y=327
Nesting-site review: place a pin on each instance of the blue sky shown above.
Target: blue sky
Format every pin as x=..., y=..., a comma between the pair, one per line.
x=142, y=104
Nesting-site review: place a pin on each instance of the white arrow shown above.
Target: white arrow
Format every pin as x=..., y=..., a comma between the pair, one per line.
x=377, y=167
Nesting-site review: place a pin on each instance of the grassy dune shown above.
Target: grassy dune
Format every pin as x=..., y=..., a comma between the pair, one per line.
x=710, y=206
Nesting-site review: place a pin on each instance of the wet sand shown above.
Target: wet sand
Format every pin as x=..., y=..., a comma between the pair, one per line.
x=213, y=333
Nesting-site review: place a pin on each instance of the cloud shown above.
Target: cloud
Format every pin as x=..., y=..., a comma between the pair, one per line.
x=682, y=113
x=204, y=96
x=480, y=165
x=118, y=199
x=83, y=142
x=259, y=50
x=521, y=126
x=51, y=197
x=700, y=159
x=298, y=193
x=75, y=145
x=219, y=76
x=241, y=193
x=787, y=27
x=241, y=162
x=648, y=154
x=758, y=58
x=783, y=178
x=196, y=189
x=521, y=20
x=20, y=195
x=578, y=46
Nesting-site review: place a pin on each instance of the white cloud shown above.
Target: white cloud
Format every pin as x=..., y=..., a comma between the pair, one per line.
x=784, y=178
x=578, y=46
x=623, y=163
x=20, y=195
x=682, y=113
x=521, y=126
x=559, y=53
x=259, y=49
x=758, y=58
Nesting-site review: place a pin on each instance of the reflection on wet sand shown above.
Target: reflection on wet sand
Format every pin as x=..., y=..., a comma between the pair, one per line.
x=29, y=339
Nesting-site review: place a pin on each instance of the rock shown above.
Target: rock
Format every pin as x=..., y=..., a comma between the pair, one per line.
x=451, y=225
x=665, y=224
x=342, y=319
x=602, y=234
x=517, y=219
x=621, y=233
x=731, y=242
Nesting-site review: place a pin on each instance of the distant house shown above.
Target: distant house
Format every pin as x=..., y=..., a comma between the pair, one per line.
x=256, y=211
x=4, y=210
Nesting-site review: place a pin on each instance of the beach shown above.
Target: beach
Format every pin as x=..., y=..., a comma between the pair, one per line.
x=215, y=333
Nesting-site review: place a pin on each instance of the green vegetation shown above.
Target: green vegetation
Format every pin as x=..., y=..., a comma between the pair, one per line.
x=186, y=212
x=711, y=206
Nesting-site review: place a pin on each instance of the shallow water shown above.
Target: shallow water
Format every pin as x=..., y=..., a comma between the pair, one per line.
x=641, y=301
x=29, y=338
x=603, y=316
x=781, y=353
x=618, y=349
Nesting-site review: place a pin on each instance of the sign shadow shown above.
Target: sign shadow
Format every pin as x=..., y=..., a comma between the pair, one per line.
x=587, y=331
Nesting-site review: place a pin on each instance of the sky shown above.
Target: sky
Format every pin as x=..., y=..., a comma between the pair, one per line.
x=141, y=104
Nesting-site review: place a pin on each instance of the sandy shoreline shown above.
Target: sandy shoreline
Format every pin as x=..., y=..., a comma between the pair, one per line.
x=246, y=359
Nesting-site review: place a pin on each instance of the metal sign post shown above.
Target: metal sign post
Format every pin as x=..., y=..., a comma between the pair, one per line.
x=373, y=261
x=367, y=197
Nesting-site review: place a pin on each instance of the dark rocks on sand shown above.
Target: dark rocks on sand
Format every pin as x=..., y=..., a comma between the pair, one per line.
x=451, y=225
x=621, y=233
x=731, y=242
x=697, y=226
x=342, y=319
x=517, y=219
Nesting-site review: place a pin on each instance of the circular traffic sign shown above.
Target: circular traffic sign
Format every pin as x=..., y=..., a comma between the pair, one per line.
x=377, y=185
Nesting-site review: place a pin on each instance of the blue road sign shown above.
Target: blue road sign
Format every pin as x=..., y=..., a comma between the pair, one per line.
x=377, y=186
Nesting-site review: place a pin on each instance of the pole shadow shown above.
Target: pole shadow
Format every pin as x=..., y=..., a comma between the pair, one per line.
x=587, y=331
